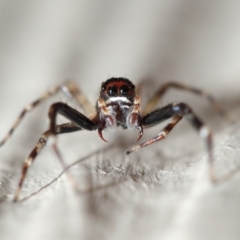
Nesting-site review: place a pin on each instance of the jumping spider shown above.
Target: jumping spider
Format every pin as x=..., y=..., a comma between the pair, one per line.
x=117, y=105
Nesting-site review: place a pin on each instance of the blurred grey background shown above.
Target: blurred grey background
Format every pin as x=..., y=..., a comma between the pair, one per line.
x=162, y=192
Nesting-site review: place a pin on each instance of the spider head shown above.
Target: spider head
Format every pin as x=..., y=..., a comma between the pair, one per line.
x=118, y=105
x=118, y=89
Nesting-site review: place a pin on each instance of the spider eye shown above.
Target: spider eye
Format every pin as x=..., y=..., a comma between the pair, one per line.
x=124, y=90
x=112, y=91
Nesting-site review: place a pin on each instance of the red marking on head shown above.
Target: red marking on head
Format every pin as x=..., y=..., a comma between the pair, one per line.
x=117, y=87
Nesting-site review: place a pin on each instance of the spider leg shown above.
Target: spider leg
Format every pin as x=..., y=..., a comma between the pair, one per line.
x=76, y=117
x=63, y=128
x=79, y=122
x=176, y=112
x=161, y=91
x=69, y=88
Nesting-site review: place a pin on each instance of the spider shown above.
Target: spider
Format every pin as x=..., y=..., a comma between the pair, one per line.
x=118, y=105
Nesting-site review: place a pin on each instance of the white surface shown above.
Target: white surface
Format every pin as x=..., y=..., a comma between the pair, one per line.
x=161, y=192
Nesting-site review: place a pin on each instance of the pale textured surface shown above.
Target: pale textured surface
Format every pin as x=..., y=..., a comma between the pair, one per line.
x=161, y=192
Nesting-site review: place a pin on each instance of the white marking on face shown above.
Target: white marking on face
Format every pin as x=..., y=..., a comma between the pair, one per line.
x=118, y=99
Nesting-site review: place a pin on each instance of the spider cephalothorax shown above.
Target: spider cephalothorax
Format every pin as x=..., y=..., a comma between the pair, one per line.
x=117, y=105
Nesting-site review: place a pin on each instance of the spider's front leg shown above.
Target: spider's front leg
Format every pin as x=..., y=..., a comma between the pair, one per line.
x=176, y=112
x=78, y=122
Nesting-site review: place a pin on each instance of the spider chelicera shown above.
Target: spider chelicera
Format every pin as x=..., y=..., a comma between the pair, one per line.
x=118, y=105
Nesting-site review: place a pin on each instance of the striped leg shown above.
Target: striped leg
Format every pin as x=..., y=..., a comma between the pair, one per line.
x=70, y=89
x=176, y=112
x=60, y=129
x=166, y=130
x=158, y=95
x=78, y=122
